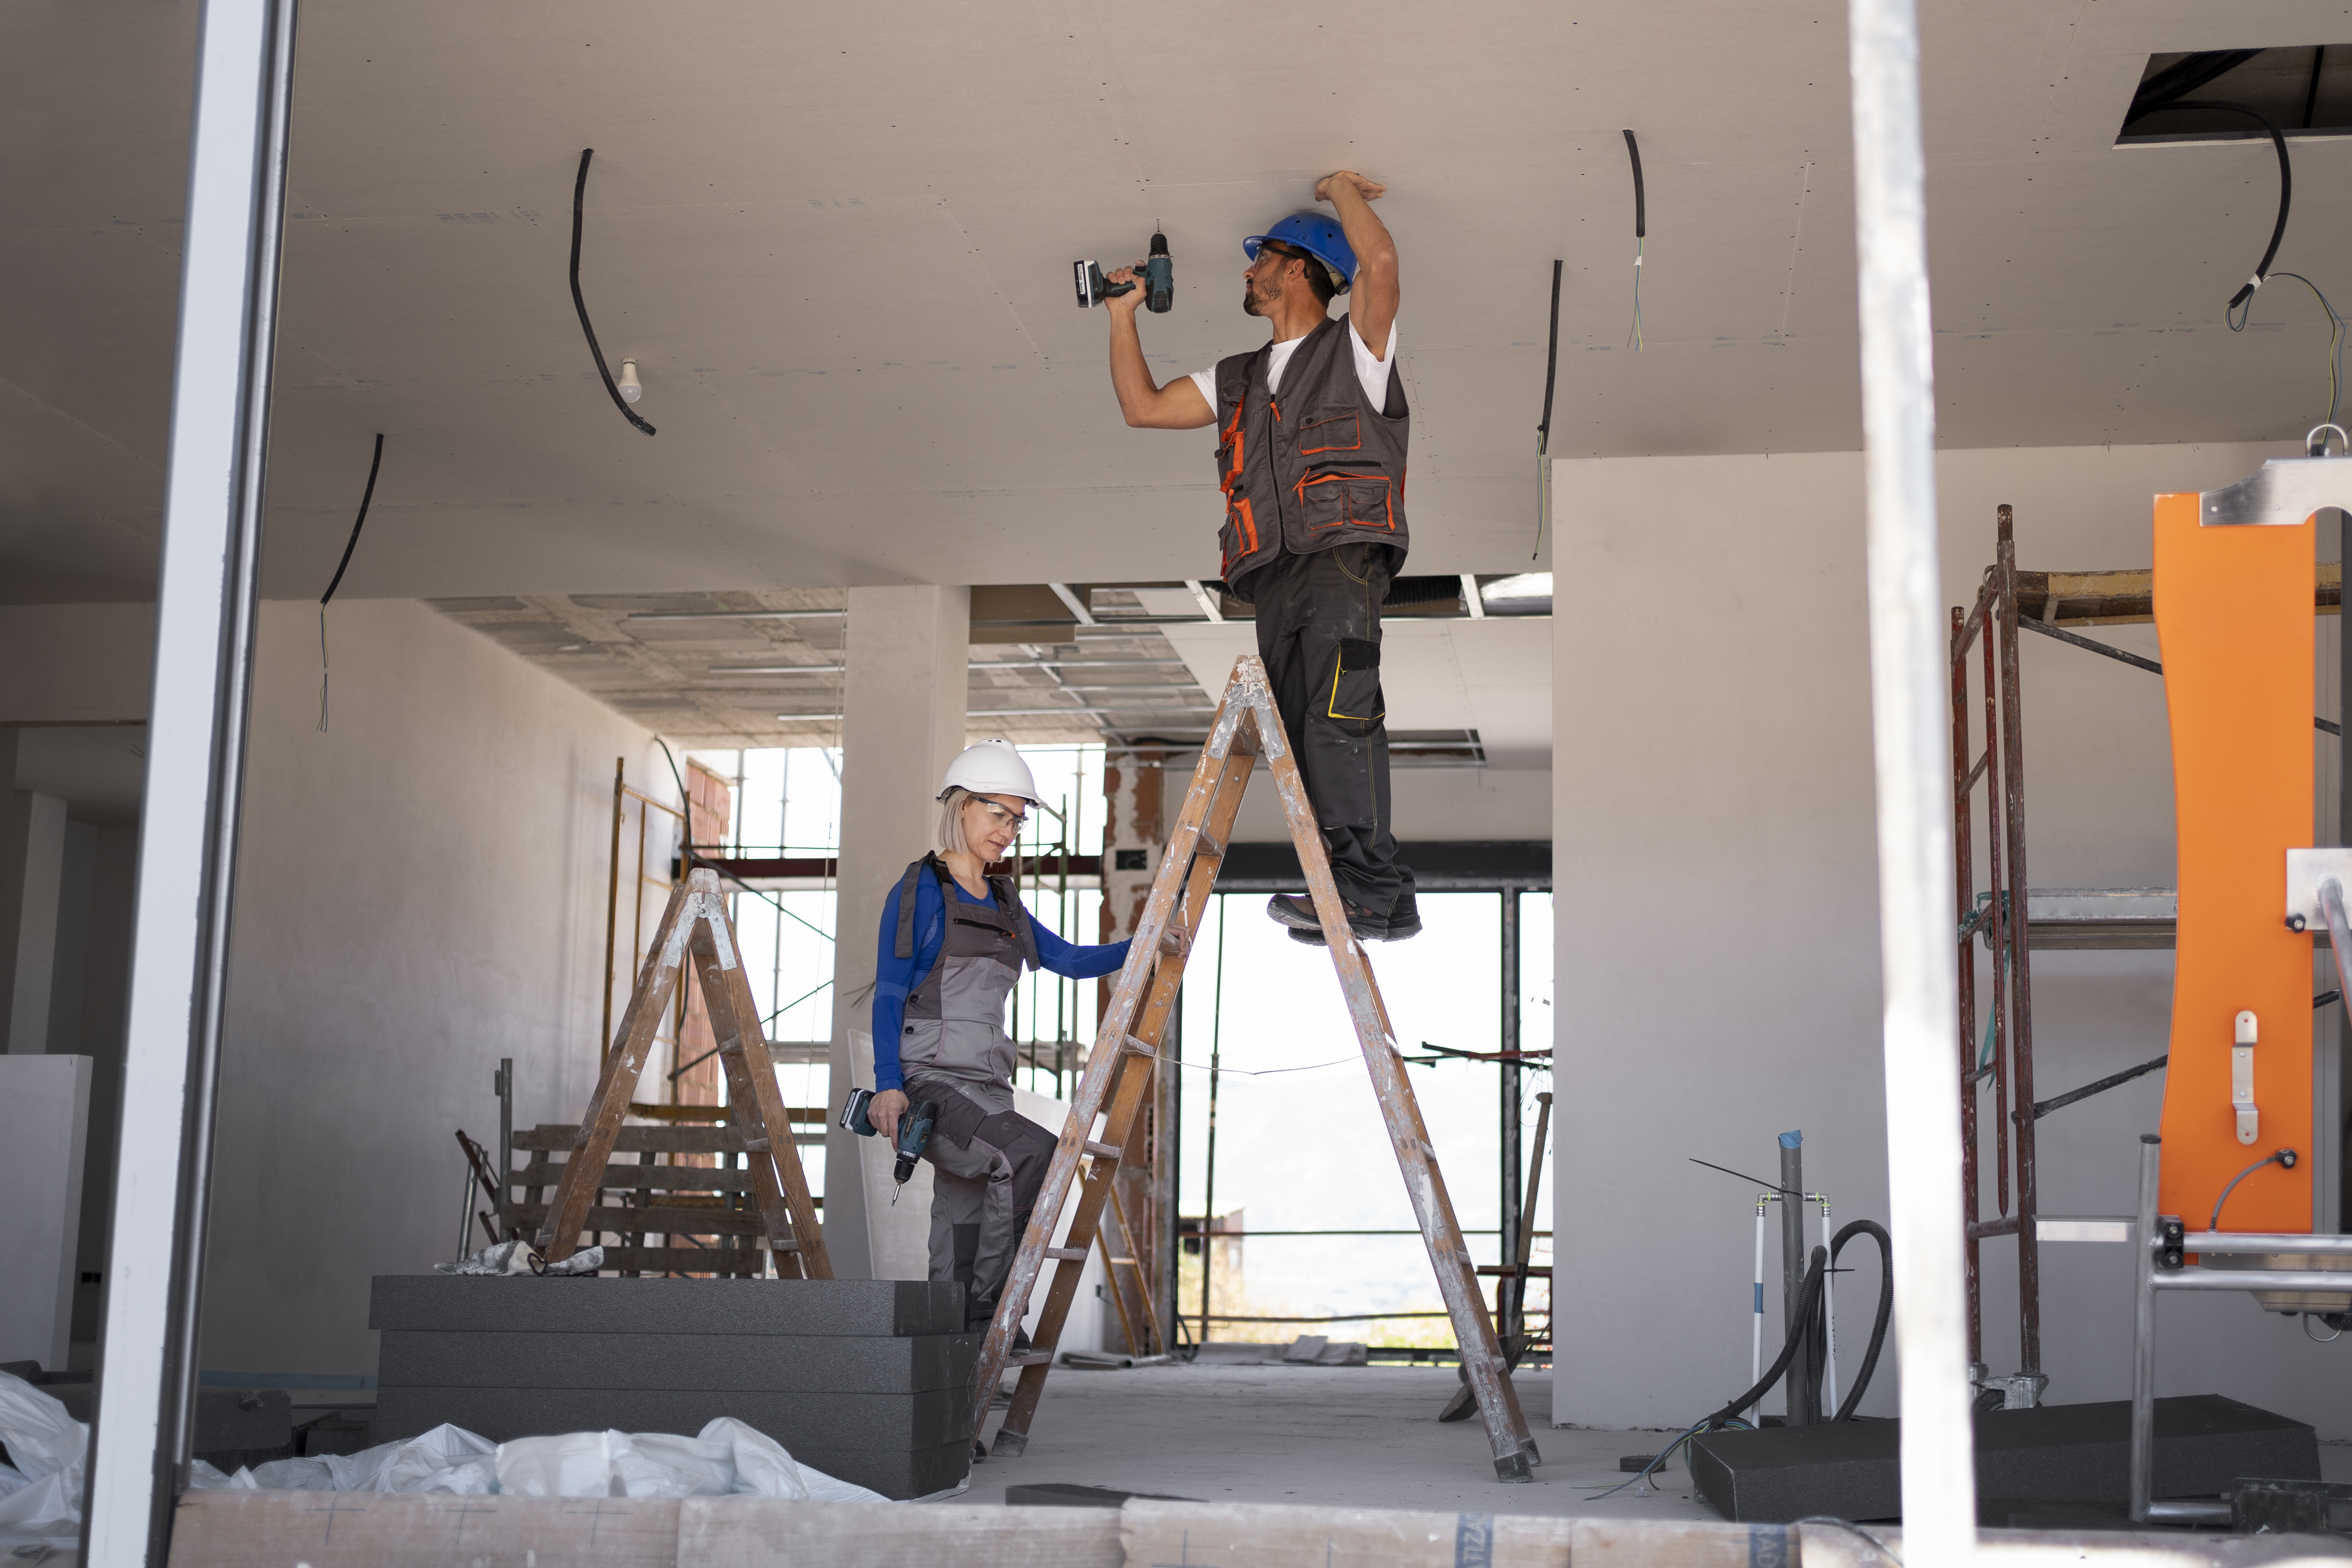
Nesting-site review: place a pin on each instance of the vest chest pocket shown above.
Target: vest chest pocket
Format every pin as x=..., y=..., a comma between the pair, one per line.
x=1339, y=432
x=1346, y=499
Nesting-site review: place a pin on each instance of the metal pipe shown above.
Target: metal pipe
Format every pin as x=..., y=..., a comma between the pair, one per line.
x=206, y=600
x=2211, y=1279
x=1828, y=1320
x=2232, y=1242
x=2143, y=1408
x=1914, y=787
x=1796, y=1389
x=1510, y=1294
x=1756, y=1328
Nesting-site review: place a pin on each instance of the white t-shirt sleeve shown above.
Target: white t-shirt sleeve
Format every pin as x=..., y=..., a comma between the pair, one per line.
x=1206, y=380
x=1372, y=373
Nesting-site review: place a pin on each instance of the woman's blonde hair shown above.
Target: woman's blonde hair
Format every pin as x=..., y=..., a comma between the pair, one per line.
x=947, y=834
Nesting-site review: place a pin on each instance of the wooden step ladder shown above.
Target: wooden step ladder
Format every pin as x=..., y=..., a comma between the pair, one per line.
x=1117, y=1078
x=696, y=924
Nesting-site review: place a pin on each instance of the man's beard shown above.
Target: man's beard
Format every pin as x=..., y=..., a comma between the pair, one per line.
x=1255, y=303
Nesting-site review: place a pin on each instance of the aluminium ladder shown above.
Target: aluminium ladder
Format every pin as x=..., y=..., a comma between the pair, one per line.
x=1117, y=1078
x=695, y=924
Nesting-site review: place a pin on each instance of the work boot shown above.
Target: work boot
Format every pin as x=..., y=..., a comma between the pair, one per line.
x=1297, y=911
x=1404, y=919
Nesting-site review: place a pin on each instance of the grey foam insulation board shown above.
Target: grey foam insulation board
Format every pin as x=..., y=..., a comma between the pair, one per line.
x=799, y=1421
x=884, y=1309
x=800, y=1364
x=2059, y=1454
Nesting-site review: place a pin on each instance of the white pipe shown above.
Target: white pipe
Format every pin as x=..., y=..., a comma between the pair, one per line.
x=1910, y=725
x=1756, y=1330
x=1829, y=1318
x=195, y=746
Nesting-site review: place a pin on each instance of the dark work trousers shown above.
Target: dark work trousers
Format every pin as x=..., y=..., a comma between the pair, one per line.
x=986, y=1169
x=1318, y=631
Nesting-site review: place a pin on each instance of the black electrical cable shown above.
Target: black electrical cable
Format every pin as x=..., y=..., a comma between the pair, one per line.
x=366, y=496
x=374, y=465
x=2283, y=1157
x=579, y=196
x=2287, y=186
x=1543, y=426
x=1641, y=228
x=1801, y=1325
x=1641, y=210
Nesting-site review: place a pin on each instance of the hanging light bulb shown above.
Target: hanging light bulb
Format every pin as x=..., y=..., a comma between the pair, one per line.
x=631, y=387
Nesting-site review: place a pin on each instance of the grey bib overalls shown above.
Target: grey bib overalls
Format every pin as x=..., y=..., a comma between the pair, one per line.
x=987, y=1162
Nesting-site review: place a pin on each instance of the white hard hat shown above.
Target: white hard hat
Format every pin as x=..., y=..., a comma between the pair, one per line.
x=992, y=767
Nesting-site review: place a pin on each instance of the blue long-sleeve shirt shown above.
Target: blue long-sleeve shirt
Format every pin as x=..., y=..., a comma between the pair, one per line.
x=896, y=978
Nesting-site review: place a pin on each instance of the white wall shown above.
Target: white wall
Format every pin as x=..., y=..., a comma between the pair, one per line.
x=1717, y=963
x=421, y=891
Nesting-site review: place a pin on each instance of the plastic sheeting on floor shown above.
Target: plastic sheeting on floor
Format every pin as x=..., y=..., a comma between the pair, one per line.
x=40, y=1484
x=40, y=1494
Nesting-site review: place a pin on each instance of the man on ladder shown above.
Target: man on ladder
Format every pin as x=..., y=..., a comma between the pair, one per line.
x=1312, y=431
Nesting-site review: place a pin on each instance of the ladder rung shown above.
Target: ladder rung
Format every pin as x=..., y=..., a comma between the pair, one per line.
x=1171, y=940
x=1068, y=1254
x=775, y=1246
x=1102, y=1151
x=1031, y=1358
x=1125, y=1262
x=1206, y=845
x=1140, y=1048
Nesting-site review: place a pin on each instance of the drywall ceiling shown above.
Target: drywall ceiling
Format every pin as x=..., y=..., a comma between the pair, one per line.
x=836, y=239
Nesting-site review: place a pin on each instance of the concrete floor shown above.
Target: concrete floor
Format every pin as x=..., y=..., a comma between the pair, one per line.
x=1350, y=1436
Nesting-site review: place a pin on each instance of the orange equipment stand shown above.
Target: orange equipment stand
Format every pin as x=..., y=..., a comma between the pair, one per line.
x=2234, y=616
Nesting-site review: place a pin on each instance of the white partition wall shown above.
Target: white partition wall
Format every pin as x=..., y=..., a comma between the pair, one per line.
x=44, y=1120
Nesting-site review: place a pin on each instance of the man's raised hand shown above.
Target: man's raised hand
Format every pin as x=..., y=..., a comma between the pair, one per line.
x=1371, y=191
x=1133, y=296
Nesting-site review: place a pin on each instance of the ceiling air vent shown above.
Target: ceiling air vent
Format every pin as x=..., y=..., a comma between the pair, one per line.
x=2306, y=91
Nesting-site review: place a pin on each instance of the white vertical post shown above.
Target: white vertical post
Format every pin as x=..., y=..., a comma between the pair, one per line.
x=196, y=757
x=1910, y=724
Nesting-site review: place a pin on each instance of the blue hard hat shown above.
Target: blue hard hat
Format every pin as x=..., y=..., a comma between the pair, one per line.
x=1318, y=235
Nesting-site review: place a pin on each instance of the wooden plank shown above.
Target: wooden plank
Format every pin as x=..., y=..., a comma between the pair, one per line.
x=627, y=1140
x=644, y=1178
x=2127, y=597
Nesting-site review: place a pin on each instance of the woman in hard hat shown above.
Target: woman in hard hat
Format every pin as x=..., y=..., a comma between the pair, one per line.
x=952, y=942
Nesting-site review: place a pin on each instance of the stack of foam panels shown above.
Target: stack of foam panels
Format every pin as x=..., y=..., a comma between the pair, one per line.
x=869, y=1380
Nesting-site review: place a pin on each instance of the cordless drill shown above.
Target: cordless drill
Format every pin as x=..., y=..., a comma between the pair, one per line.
x=1159, y=280
x=914, y=1128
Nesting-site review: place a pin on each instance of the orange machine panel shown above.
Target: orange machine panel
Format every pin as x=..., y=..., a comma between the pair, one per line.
x=2234, y=615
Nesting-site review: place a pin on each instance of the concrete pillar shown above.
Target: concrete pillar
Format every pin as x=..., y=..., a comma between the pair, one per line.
x=908, y=651
x=32, y=871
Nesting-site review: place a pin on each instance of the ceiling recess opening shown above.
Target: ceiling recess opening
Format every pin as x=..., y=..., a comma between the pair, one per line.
x=2306, y=91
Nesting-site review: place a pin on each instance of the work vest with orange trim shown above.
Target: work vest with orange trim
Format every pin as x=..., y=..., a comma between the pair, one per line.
x=1312, y=466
